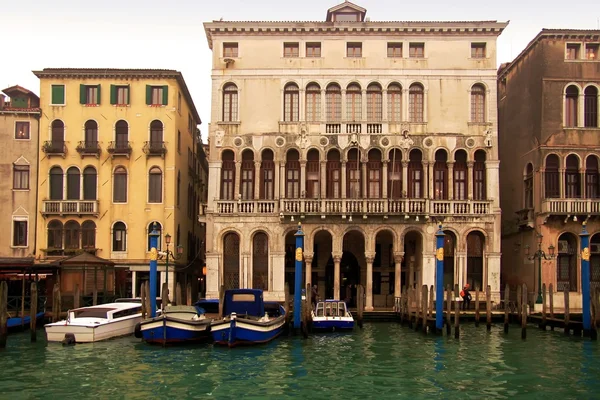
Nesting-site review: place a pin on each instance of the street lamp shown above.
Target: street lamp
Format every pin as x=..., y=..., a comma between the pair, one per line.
x=539, y=254
x=169, y=252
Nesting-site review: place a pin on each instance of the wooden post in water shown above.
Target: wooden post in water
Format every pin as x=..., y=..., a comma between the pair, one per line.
x=524, y=313
x=593, y=300
x=567, y=316
x=143, y=301
x=409, y=309
x=419, y=305
x=222, y=300
x=188, y=293
x=307, y=310
x=402, y=297
x=95, y=293
x=476, y=305
x=456, y=313
x=178, y=294
x=360, y=293
x=543, y=324
x=448, y=309
x=76, y=296
x=551, y=295
x=3, y=313
x=431, y=301
x=519, y=302
x=425, y=311
x=596, y=315
x=33, y=311
x=23, y=302
x=164, y=294
x=56, y=302
x=506, y=306
x=488, y=307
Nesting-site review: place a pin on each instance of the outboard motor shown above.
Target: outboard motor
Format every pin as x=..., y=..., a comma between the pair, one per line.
x=69, y=339
x=137, y=331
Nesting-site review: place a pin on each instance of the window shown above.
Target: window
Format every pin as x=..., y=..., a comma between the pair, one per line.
x=56, y=183
x=354, y=50
x=394, y=50
x=479, y=182
x=21, y=177
x=119, y=95
x=374, y=175
x=119, y=238
x=590, y=107
x=291, y=50
x=551, y=178
x=179, y=142
x=158, y=227
x=478, y=104
x=156, y=132
x=157, y=95
x=179, y=103
x=178, y=190
x=346, y=17
x=230, y=50
x=120, y=185
x=572, y=178
x=267, y=176
x=440, y=173
x=416, y=50
x=333, y=99
x=72, y=232
x=57, y=95
x=460, y=175
x=313, y=175
x=88, y=235
x=353, y=172
x=353, y=102
x=395, y=175
x=333, y=175
x=592, y=181
x=247, y=178
x=122, y=135
x=415, y=175
x=230, y=103
x=19, y=233
x=22, y=130
x=89, y=183
x=528, y=187
x=313, y=49
x=415, y=103
x=374, y=102
x=227, y=175
x=292, y=173
x=591, y=51
x=573, y=50
x=313, y=102
x=89, y=95
x=478, y=50
x=58, y=134
x=73, y=183
x=155, y=185
x=91, y=134
x=291, y=107
x=55, y=234
x=571, y=99
x=394, y=105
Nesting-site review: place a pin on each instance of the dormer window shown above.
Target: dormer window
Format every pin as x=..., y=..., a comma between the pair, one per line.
x=346, y=17
x=346, y=12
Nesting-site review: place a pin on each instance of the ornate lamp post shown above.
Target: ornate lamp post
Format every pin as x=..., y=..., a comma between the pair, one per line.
x=539, y=254
x=169, y=252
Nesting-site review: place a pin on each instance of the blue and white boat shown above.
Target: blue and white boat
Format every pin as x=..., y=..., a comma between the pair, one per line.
x=248, y=319
x=17, y=323
x=332, y=315
x=176, y=324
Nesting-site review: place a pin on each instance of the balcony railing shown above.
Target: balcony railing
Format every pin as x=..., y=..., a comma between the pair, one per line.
x=89, y=148
x=246, y=207
x=571, y=206
x=53, y=147
x=74, y=207
x=120, y=148
x=154, y=148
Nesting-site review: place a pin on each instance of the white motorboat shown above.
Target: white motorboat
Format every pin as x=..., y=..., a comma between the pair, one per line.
x=95, y=323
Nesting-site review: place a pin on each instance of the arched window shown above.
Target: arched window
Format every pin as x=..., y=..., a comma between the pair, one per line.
x=227, y=175
x=415, y=175
x=231, y=260
x=590, y=107
x=475, y=247
x=478, y=103
x=91, y=134
x=291, y=107
x=479, y=180
x=395, y=174
x=572, y=178
x=333, y=98
x=313, y=175
x=155, y=185
x=120, y=185
x=247, y=171
x=528, y=186
x=267, y=175
x=394, y=102
x=571, y=99
x=72, y=231
x=353, y=175
x=89, y=183
x=566, y=263
x=55, y=235
x=56, y=183
x=151, y=226
x=592, y=183
x=551, y=178
x=73, y=183
x=121, y=135
x=334, y=177
x=88, y=235
x=460, y=175
x=374, y=174
x=374, y=102
x=313, y=102
x=415, y=103
x=292, y=175
x=156, y=133
x=260, y=261
x=353, y=102
x=230, y=103
x=119, y=237
x=58, y=134
x=440, y=175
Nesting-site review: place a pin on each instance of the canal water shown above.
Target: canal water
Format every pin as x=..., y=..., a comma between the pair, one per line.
x=382, y=360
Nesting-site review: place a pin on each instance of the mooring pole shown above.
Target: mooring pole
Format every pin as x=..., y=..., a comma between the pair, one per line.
x=298, y=281
x=439, y=280
x=585, y=278
x=153, y=256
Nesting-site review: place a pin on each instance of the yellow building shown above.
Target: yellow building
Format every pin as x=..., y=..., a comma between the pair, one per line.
x=118, y=155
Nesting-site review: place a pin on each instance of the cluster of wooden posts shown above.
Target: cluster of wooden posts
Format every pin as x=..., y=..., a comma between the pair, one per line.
x=178, y=300
x=4, y=312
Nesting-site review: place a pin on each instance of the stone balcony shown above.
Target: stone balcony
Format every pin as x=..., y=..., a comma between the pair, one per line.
x=571, y=206
x=70, y=207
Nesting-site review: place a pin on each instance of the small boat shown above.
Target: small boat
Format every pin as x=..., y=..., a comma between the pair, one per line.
x=95, y=323
x=14, y=324
x=248, y=319
x=332, y=315
x=176, y=324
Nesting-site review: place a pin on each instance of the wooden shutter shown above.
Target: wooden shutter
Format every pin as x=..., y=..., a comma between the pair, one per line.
x=165, y=99
x=128, y=90
x=58, y=94
x=82, y=94
x=98, y=95
x=113, y=94
x=148, y=95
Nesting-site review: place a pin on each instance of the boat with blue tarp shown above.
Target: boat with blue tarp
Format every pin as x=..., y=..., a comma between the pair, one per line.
x=332, y=315
x=17, y=323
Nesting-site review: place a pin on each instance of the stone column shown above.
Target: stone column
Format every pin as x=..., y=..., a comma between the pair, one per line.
x=461, y=258
x=369, y=257
x=282, y=180
x=214, y=183
x=134, y=292
x=405, y=178
x=493, y=274
x=257, y=180
x=430, y=177
x=582, y=182
x=245, y=273
x=213, y=275
x=398, y=256
x=384, y=180
x=337, y=259
x=364, y=106
x=363, y=179
x=303, y=179
x=470, y=180
x=323, y=175
x=450, y=180
x=237, y=190
x=343, y=179
x=561, y=179
x=492, y=183
x=308, y=257
x=277, y=276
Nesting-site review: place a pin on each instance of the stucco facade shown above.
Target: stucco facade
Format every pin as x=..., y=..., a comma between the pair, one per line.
x=369, y=133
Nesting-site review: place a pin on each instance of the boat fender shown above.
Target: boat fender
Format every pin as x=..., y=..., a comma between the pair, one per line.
x=69, y=339
x=137, y=331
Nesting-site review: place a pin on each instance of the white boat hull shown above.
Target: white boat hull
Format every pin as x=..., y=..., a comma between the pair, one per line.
x=86, y=334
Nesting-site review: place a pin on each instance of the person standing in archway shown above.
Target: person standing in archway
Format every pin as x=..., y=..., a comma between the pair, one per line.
x=466, y=296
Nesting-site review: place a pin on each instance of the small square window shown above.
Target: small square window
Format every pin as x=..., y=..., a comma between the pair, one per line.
x=291, y=50
x=394, y=50
x=57, y=95
x=354, y=50
x=122, y=94
x=21, y=177
x=22, y=130
x=89, y=95
x=313, y=49
x=591, y=51
x=19, y=234
x=478, y=50
x=573, y=51
x=230, y=50
x=416, y=50
x=157, y=95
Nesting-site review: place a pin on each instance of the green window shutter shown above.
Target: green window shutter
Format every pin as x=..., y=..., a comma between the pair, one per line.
x=58, y=94
x=127, y=93
x=82, y=94
x=99, y=92
x=165, y=99
x=113, y=94
x=148, y=94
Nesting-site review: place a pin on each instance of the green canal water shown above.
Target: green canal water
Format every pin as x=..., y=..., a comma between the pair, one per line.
x=383, y=360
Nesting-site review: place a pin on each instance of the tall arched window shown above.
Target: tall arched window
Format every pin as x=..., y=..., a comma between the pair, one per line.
x=394, y=102
x=155, y=185
x=374, y=102
x=415, y=174
x=121, y=135
x=460, y=175
x=91, y=134
x=292, y=175
x=572, y=178
x=247, y=178
x=528, y=186
x=313, y=175
x=267, y=175
x=333, y=98
x=592, y=181
x=56, y=183
x=156, y=133
x=440, y=175
x=291, y=106
x=58, y=134
x=151, y=227
x=374, y=174
x=395, y=174
x=566, y=263
x=230, y=103
x=72, y=231
x=479, y=180
x=478, y=103
x=119, y=237
x=590, y=107
x=89, y=183
x=55, y=235
x=334, y=177
x=227, y=175
x=260, y=261
x=475, y=247
x=120, y=185
x=353, y=175
x=551, y=178
x=73, y=183
x=571, y=99
x=313, y=102
x=353, y=102
x=88, y=235
x=231, y=260
x=415, y=103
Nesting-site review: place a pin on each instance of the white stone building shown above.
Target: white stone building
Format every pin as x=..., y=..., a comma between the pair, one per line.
x=370, y=134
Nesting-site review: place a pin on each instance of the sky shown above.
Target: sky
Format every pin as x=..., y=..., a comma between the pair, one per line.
x=169, y=34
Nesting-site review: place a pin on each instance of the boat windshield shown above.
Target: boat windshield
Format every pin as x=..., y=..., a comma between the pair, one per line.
x=92, y=313
x=342, y=309
x=319, y=309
